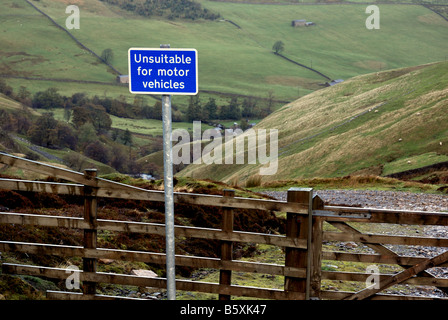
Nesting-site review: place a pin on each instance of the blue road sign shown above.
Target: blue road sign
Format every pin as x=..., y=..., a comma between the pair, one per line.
x=163, y=71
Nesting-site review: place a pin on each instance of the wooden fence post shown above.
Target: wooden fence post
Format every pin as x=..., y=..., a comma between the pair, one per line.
x=316, y=249
x=297, y=227
x=225, y=276
x=90, y=235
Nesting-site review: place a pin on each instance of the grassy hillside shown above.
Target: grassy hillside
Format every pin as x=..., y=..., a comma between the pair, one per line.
x=331, y=1
x=231, y=59
x=378, y=123
x=339, y=45
x=32, y=47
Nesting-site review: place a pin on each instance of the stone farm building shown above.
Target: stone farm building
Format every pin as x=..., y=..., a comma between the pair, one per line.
x=298, y=23
x=123, y=79
x=301, y=23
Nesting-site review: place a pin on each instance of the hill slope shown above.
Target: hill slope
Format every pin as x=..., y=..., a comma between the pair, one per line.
x=360, y=125
x=232, y=60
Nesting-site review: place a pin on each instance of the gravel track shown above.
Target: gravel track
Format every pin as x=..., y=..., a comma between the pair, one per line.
x=378, y=199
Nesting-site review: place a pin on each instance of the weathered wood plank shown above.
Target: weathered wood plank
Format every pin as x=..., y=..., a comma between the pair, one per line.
x=400, y=277
x=204, y=233
x=371, y=258
x=343, y=226
x=76, y=296
x=392, y=216
x=360, y=276
x=340, y=295
x=150, y=228
x=42, y=186
x=43, y=220
x=150, y=257
x=44, y=169
x=185, y=285
x=385, y=239
x=110, y=190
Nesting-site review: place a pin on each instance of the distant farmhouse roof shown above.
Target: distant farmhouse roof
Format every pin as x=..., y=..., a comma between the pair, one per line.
x=123, y=79
x=301, y=22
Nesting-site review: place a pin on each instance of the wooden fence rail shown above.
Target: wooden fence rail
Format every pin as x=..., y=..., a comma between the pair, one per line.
x=310, y=227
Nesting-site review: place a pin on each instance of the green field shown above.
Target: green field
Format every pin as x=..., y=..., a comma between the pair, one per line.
x=149, y=126
x=413, y=162
x=32, y=47
x=231, y=60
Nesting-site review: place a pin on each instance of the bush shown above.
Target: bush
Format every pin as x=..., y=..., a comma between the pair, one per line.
x=98, y=151
x=253, y=181
x=47, y=99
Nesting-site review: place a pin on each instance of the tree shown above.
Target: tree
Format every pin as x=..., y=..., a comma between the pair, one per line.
x=194, y=111
x=270, y=102
x=278, y=47
x=66, y=137
x=86, y=135
x=100, y=118
x=15, y=121
x=5, y=88
x=248, y=107
x=119, y=161
x=210, y=108
x=97, y=151
x=67, y=113
x=234, y=109
x=231, y=110
x=24, y=96
x=94, y=114
x=127, y=137
x=157, y=110
x=50, y=133
x=244, y=125
x=47, y=99
x=127, y=140
x=107, y=55
x=75, y=161
x=43, y=132
x=80, y=116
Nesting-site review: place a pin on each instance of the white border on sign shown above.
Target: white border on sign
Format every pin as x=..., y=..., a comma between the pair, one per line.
x=164, y=49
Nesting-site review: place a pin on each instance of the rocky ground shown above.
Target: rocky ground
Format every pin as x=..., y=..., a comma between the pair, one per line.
x=378, y=199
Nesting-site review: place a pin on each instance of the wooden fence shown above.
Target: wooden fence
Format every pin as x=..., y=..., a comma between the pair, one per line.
x=308, y=232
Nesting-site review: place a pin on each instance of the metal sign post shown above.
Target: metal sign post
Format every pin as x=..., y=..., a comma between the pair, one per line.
x=169, y=196
x=165, y=71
